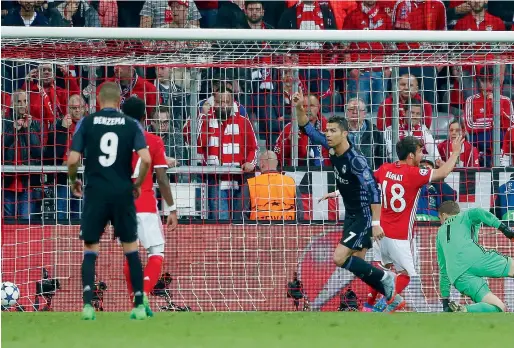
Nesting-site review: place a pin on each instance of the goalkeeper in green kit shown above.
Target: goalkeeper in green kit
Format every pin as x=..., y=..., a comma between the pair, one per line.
x=464, y=263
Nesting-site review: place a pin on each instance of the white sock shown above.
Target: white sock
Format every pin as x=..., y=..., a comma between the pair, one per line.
x=339, y=279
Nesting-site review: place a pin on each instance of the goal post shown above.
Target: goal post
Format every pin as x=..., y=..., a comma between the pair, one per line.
x=219, y=258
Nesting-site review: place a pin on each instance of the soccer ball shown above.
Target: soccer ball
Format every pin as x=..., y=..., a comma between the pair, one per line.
x=10, y=294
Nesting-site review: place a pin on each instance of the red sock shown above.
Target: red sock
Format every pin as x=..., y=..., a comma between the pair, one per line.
x=126, y=271
x=372, y=296
x=402, y=280
x=152, y=272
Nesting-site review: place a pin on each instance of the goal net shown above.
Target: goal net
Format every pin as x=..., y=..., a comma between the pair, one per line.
x=220, y=98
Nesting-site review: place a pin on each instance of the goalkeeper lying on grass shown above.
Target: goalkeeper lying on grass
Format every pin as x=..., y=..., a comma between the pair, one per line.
x=464, y=263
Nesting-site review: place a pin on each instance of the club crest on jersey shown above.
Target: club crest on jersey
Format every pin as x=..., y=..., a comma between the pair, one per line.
x=423, y=171
x=344, y=169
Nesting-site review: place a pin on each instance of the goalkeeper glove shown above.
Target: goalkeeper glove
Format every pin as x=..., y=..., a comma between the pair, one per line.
x=446, y=305
x=507, y=231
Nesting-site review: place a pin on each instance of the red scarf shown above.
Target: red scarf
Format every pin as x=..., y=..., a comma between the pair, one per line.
x=315, y=16
x=371, y=12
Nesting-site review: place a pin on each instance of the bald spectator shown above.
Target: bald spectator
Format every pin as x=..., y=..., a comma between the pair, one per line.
x=408, y=88
x=308, y=153
x=271, y=196
x=364, y=135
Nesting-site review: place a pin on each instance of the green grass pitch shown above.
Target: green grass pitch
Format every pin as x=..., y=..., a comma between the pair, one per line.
x=259, y=329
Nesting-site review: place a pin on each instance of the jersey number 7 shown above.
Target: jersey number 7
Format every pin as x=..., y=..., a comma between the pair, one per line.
x=394, y=197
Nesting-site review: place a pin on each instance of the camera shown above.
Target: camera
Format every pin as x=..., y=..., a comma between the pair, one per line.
x=161, y=289
x=98, y=295
x=46, y=288
x=295, y=291
x=349, y=301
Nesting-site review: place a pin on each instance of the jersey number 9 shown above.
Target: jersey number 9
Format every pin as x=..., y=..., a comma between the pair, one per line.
x=109, y=146
x=394, y=197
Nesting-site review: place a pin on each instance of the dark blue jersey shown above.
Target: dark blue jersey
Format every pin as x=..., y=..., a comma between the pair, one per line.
x=354, y=178
x=108, y=139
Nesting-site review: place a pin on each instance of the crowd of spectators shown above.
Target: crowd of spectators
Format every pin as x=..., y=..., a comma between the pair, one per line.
x=241, y=112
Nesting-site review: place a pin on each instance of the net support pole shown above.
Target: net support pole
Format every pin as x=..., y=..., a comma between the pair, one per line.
x=294, y=122
x=497, y=115
x=195, y=80
x=395, y=122
x=92, y=88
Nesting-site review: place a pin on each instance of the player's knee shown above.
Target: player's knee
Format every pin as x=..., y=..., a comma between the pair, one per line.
x=157, y=250
x=502, y=307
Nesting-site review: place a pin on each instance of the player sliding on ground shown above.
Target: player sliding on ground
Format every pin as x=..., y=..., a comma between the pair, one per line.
x=149, y=226
x=109, y=137
x=361, y=198
x=464, y=263
x=400, y=184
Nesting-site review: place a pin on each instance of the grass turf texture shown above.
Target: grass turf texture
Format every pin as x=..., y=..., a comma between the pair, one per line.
x=259, y=329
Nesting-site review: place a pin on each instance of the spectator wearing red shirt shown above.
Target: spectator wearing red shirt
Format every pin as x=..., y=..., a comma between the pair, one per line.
x=507, y=158
x=420, y=15
x=132, y=85
x=21, y=145
x=469, y=155
x=477, y=20
x=479, y=113
x=48, y=101
x=56, y=153
x=408, y=88
x=313, y=15
x=308, y=154
x=225, y=138
x=368, y=84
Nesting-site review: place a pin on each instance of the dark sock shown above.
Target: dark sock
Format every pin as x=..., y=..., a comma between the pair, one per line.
x=136, y=276
x=88, y=275
x=366, y=272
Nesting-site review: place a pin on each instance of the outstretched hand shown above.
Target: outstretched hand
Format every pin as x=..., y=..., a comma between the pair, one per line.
x=457, y=145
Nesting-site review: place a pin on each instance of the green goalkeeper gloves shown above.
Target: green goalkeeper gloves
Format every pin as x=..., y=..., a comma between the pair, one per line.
x=507, y=231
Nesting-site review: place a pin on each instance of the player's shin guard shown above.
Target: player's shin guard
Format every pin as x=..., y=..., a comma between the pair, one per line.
x=414, y=295
x=88, y=275
x=339, y=279
x=136, y=275
x=366, y=272
x=152, y=272
x=126, y=272
x=482, y=307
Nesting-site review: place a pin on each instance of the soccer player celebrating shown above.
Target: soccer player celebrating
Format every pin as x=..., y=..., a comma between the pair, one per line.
x=109, y=138
x=400, y=184
x=149, y=227
x=464, y=263
x=361, y=198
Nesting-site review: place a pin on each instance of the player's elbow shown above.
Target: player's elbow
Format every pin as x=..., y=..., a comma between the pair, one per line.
x=73, y=159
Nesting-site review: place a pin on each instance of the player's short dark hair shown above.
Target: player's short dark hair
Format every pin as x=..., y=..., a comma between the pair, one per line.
x=109, y=92
x=135, y=108
x=407, y=145
x=340, y=121
x=449, y=208
x=251, y=2
x=412, y=103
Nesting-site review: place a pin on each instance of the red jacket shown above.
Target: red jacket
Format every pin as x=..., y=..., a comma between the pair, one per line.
x=229, y=142
x=140, y=88
x=385, y=113
x=49, y=103
x=479, y=112
x=283, y=147
x=468, y=157
x=416, y=15
x=375, y=19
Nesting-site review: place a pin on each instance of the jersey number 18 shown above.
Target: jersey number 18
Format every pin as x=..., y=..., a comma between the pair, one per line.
x=394, y=197
x=108, y=146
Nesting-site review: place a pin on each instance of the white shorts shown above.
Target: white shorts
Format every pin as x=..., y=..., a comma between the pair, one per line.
x=399, y=253
x=149, y=229
x=377, y=256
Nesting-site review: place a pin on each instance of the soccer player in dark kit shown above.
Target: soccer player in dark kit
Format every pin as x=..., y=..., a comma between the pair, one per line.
x=362, y=201
x=107, y=139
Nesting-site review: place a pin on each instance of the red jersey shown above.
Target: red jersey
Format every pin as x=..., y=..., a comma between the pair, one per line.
x=468, y=156
x=479, y=113
x=400, y=185
x=147, y=203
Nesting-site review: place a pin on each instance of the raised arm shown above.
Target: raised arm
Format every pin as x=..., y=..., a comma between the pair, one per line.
x=442, y=172
x=478, y=215
x=314, y=135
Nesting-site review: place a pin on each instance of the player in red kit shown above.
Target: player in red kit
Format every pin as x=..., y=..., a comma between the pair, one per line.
x=149, y=226
x=401, y=183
